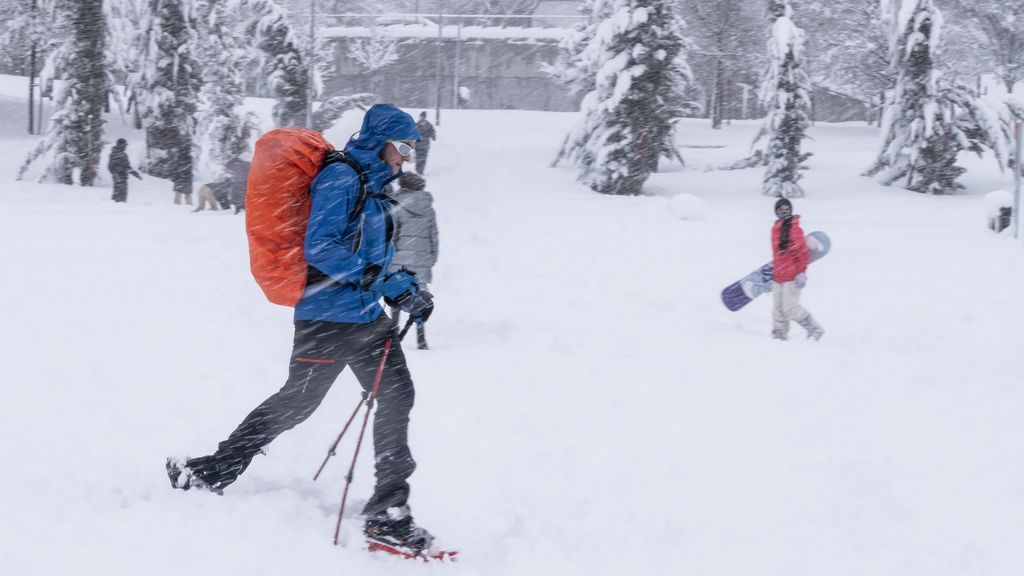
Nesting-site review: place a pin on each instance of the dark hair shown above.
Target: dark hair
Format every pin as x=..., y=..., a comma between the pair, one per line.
x=787, y=223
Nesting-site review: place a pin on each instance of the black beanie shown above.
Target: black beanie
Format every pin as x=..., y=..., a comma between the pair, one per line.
x=411, y=181
x=783, y=202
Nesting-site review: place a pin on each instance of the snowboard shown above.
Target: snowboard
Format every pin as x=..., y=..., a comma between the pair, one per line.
x=740, y=293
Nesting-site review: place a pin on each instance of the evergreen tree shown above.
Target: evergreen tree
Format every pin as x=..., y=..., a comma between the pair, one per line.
x=126, y=53
x=786, y=95
x=28, y=34
x=999, y=25
x=638, y=53
x=928, y=120
x=729, y=35
x=848, y=48
x=574, y=72
x=374, y=53
x=75, y=136
x=223, y=130
x=169, y=83
x=284, y=60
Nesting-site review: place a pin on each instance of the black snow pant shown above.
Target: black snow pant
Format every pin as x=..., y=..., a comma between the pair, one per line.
x=120, y=189
x=321, y=351
x=421, y=158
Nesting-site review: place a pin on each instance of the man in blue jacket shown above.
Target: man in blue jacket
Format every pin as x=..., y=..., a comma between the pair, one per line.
x=338, y=323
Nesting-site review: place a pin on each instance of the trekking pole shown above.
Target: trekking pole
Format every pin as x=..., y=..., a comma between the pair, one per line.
x=362, y=430
x=337, y=440
x=334, y=447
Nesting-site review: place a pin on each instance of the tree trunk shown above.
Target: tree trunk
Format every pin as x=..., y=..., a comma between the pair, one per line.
x=716, y=95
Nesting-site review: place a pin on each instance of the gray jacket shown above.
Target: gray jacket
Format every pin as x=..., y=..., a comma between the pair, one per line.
x=415, y=236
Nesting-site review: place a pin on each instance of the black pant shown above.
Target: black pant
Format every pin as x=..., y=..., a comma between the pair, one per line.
x=421, y=335
x=120, y=189
x=421, y=159
x=321, y=351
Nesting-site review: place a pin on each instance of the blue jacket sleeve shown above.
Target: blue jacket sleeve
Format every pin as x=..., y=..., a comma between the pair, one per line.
x=334, y=194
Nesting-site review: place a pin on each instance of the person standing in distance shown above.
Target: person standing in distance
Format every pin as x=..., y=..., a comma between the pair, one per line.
x=120, y=167
x=427, y=133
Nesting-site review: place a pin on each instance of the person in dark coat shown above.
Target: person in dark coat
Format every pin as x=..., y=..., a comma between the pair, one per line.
x=237, y=180
x=423, y=146
x=415, y=236
x=120, y=167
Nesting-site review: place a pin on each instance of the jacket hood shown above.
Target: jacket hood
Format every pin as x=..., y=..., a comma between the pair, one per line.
x=381, y=123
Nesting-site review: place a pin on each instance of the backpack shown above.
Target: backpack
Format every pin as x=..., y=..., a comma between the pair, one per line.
x=284, y=164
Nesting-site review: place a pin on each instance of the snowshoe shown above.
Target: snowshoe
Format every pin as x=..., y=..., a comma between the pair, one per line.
x=426, y=556
x=394, y=532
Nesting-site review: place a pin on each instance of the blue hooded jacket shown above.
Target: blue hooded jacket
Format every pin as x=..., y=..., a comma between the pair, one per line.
x=342, y=250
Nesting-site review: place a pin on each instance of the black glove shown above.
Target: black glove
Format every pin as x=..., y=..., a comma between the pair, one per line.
x=136, y=174
x=419, y=306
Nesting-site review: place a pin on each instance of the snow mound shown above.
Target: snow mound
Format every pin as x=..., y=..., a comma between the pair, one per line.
x=687, y=207
x=996, y=200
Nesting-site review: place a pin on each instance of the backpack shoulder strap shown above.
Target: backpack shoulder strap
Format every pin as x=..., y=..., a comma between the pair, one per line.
x=336, y=156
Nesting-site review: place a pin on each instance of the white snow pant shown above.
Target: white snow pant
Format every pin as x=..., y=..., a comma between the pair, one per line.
x=785, y=307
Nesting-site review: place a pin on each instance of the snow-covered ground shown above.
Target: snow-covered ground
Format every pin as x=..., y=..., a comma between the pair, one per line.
x=589, y=406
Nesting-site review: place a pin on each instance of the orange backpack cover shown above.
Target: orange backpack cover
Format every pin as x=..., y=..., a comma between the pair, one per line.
x=277, y=208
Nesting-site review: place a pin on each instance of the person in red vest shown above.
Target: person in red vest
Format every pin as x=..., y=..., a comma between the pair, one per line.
x=790, y=258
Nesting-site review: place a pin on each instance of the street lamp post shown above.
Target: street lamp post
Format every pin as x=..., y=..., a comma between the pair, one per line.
x=1017, y=167
x=440, y=22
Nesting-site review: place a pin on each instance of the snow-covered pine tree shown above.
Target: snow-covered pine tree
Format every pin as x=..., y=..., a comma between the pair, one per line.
x=573, y=72
x=786, y=96
x=75, y=136
x=169, y=82
x=728, y=34
x=639, y=54
x=848, y=48
x=928, y=120
x=284, y=60
x=333, y=108
x=27, y=36
x=223, y=129
x=374, y=53
x=125, y=53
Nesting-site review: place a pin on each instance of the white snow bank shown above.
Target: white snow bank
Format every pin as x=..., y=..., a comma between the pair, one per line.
x=687, y=207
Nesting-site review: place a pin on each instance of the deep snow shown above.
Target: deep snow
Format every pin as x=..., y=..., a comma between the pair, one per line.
x=589, y=406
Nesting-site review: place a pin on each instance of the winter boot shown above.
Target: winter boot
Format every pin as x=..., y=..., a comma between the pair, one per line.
x=814, y=330
x=780, y=330
x=395, y=528
x=184, y=478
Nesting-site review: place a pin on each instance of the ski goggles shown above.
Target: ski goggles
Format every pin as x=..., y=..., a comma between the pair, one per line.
x=783, y=211
x=404, y=148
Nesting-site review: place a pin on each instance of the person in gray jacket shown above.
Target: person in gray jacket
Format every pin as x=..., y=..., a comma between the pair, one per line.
x=415, y=236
